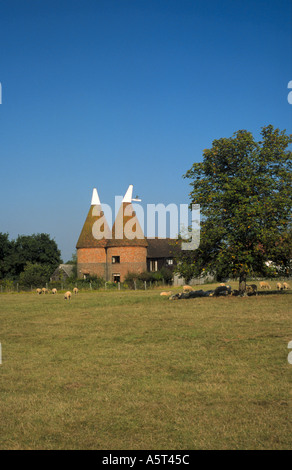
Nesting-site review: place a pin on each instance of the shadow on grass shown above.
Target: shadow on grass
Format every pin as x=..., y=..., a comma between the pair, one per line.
x=274, y=292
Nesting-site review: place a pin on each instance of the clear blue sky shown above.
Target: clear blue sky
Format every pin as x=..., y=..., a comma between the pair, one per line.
x=107, y=93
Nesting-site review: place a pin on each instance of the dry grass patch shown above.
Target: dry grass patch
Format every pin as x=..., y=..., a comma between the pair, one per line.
x=133, y=370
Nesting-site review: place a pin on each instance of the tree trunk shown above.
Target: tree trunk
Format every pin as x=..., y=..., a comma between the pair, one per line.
x=242, y=283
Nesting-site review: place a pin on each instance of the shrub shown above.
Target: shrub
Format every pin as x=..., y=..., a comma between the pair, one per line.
x=7, y=284
x=93, y=281
x=35, y=275
x=130, y=279
x=111, y=285
x=167, y=275
x=164, y=274
x=146, y=276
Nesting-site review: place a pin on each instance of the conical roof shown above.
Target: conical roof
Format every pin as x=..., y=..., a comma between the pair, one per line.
x=126, y=230
x=95, y=231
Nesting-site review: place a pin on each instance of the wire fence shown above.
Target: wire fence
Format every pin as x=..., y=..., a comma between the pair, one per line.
x=8, y=286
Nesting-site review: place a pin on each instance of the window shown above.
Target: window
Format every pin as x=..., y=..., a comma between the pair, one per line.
x=116, y=277
x=153, y=265
x=115, y=259
x=169, y=261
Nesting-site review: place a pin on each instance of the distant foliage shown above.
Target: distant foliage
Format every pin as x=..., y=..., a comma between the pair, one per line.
x=35, y=275
x=94, y=282
x=19, y=255
x=6, y=258
x=164, y=275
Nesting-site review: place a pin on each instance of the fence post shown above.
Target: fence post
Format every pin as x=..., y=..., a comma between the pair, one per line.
x=119, y=286
x=145, y=285
x=135, y=285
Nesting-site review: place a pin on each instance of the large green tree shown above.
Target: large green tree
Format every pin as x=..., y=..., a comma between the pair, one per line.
x=35, y=275
x=6, y=248
x=35, y=249
x=244, y=191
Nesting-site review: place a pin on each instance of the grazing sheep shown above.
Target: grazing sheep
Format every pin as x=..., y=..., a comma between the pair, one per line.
x=265, y=285
x=279, y=286
x=45, y=291
x=75, y=290
x=68, y=295
x=39, y=291
x=187, y=288
x=222, y=284
x=166, y=293
x=54, y=291
x=285, y=285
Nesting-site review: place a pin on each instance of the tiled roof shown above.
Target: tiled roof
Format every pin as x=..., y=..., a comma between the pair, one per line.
x=125, y=227
x=86, y=238
x=161, y=248
x=118, y=236
x=67, y=268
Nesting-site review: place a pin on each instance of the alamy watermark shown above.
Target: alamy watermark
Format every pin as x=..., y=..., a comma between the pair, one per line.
x=290, y=353
x=171, y=221
x=289, y=97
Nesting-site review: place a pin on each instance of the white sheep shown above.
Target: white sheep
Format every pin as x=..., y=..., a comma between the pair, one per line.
x=75, y=290
x=67, y=295
x=45, y=291
x=285, y=285
x=187, y=288
x=54, y=291
x=265, y=285
x=166, y=293
x=279, y=286
x=39, y=291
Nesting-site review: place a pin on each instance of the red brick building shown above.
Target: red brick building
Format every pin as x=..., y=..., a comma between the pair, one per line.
x=111, y=254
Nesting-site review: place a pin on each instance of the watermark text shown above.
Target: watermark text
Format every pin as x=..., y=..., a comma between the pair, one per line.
x=171, y=221
x=289, y=98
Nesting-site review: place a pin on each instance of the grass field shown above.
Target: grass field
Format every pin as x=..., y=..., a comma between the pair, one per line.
x=133, y=370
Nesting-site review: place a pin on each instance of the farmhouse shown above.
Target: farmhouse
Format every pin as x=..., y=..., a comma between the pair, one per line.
x=113, y=253
x=62, y=272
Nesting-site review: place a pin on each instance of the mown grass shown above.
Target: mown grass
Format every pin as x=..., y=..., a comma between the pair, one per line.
x=133, y=370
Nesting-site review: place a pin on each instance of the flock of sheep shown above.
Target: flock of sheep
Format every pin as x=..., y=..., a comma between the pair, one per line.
x=188, y=291
x=67, y=295
x=266, y=285
x=221, y=290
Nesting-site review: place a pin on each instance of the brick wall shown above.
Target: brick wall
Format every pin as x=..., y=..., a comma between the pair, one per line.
x=98, y=261
x=92, y=261
x=132, y=259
